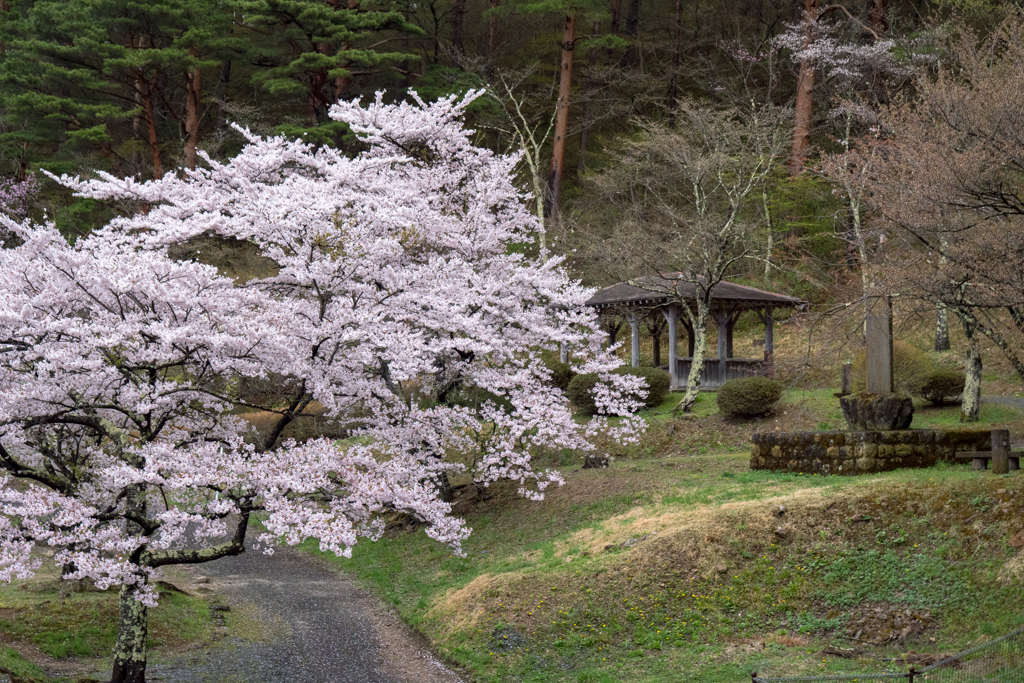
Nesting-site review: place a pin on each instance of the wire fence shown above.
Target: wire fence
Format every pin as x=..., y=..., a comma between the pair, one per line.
x=997, y=661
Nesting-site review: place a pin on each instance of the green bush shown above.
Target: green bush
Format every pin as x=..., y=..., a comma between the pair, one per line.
x=749, y=397
x=561, y=373
x=581, y=393
x=658, y=384
x=943, y=383
x=581, y=388
x=910, y=369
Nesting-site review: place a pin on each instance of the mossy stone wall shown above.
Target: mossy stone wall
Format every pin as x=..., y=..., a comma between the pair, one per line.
x=847, y=453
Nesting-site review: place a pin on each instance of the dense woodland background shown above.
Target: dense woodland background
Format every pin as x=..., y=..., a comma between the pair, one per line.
x=611, y=101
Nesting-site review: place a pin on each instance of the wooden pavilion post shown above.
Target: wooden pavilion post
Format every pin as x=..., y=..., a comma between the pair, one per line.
x=769, y=342
x=722, y=320
x=689, y=336
x=634, y=327
x=729, y=327
x=671, y=314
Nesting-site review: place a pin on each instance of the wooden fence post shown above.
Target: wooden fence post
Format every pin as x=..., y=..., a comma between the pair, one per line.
x=1000, y=451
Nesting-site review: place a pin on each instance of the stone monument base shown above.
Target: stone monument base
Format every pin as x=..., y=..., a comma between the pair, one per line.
x=861, y=452
x=866, y=412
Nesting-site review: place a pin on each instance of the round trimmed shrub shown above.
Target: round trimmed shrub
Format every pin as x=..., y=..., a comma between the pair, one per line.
x=749, y=397
x=561, y=373
x=581, y=393
x=910, y=369
x=658, y=384
x=942, y=384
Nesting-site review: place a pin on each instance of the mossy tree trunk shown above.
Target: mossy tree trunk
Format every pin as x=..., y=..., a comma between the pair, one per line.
x=699, y=322
x=133, y=615
x=941, y=327
x=941, y=309
x=133, y=623
x=130, y=648
x=971, y=405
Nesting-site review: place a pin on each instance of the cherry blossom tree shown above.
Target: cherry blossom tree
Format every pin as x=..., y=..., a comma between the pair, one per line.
x=15, y=198
x=859, y=75
x=15, y=195
x=395, y=293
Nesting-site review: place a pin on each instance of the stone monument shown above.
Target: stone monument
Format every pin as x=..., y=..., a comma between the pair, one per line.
x=879, y=407
x=878, y=338
x=878, y=439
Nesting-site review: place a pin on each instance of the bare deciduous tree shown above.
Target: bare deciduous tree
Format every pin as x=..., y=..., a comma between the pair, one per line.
x=680, y=197
x=949, y=180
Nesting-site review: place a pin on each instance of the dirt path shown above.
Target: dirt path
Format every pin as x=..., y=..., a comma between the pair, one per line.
x=326, y=630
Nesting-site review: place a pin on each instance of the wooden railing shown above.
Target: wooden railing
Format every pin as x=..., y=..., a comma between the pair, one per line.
x=712, y=376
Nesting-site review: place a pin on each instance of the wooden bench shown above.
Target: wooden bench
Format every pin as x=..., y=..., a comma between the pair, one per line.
x=1003, y=459
x=981, y=459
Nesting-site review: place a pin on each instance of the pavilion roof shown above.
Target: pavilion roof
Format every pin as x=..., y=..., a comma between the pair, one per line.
x=654, y=291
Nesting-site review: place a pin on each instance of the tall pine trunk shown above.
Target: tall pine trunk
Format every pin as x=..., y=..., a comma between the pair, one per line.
x=632, y=29
x=458, y=22
x=592, y=85
x=492, y=40
x=342, y=83
x=144, y=91
x=804, y=106
x=554, y=197
x=673, y=85
x=193, y=95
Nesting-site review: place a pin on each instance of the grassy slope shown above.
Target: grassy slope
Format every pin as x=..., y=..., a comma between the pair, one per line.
x=715, y=583
x=74, y=633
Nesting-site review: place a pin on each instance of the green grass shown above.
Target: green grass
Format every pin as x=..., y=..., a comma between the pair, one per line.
x=84, y=626
x=19, y=667
x=668, y=567
x=934, y=541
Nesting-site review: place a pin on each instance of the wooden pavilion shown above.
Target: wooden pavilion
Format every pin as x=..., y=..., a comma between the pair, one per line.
x=634, y=301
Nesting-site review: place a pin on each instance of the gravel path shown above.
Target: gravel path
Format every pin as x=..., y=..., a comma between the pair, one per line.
x=1015, y=401
x=327, y=631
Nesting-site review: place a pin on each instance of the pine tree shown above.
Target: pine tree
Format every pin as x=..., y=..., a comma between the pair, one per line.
x=111, y=77
x=312, y=49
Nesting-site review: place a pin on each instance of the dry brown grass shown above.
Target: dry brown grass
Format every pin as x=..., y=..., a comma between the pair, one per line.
x=705, y=544
x=311, y=424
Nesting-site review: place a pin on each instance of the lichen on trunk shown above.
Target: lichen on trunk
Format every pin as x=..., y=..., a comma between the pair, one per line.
x=941, y=327
x=699, y=321
x=971, y=404
x=130, y=648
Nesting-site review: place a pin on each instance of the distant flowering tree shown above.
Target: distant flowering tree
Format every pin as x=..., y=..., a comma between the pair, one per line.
x=15, y=197
x=860, y=77
x=396, y=301
x=860, y=74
